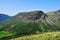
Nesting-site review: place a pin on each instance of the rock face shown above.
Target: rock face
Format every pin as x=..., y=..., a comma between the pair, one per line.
x=3, y=17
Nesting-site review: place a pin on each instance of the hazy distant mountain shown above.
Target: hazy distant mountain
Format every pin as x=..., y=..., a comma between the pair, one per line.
x=3, y=17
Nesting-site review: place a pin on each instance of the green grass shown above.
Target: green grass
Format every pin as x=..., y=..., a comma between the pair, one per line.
x=5, y=34
x=44, y=36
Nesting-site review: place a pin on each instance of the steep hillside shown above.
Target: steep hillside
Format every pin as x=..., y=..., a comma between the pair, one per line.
x=26, y=23
x=3, y=17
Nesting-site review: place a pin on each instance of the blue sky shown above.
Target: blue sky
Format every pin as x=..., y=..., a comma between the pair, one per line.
x=12, y=7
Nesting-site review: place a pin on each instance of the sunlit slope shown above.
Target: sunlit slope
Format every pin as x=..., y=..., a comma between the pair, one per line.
x=44, y=36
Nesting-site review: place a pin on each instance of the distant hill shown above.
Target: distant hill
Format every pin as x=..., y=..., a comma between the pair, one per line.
x=55, y=16
x=3, y=17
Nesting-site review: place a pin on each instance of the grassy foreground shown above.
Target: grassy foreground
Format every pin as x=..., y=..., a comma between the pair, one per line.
x=44, y=36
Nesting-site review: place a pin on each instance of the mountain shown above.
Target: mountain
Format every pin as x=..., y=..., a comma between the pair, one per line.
x=25, y=23
x=3, y=17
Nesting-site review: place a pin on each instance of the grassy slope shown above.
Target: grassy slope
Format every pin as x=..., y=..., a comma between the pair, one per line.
x=44, y=36
x=24, y=28
x=4, y=34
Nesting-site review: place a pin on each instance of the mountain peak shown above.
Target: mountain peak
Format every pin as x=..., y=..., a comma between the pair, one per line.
x=33, y=15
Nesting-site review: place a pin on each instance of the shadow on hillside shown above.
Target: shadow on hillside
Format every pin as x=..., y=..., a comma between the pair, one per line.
x=5, y=38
